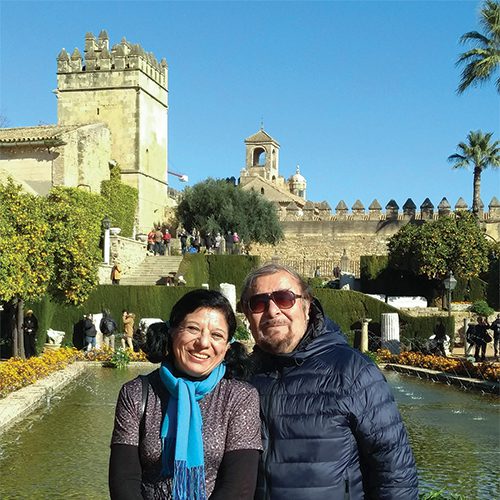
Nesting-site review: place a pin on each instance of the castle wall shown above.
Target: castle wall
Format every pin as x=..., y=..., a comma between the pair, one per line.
x=327, y=240
x=30, y=164
x=84, y=160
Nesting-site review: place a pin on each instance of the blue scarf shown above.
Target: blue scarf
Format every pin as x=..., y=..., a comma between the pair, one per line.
x=182, y=455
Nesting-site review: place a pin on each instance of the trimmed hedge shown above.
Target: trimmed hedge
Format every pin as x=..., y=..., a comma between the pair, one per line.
x=143, y=301
x=348, y=308
x=345, y=307
x=194, y=268
x=230, y=269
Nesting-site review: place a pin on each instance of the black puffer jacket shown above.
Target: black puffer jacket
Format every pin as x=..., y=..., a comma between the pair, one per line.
x=331, y=429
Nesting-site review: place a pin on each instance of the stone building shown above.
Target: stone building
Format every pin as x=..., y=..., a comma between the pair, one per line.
x=261, y=173
x=314, y=235
x=112, y=106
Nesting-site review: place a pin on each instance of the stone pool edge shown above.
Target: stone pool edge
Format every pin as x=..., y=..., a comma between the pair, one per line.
x=19, y=404
x=465, y=382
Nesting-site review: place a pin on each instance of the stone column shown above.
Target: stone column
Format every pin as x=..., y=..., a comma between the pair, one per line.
x=390, y=332
x=107, y=246
x=364, y=335
x=229, y=291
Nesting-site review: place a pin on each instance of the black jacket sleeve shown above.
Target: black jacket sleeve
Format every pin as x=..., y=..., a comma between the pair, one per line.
x=125, y=473
x=237, y=475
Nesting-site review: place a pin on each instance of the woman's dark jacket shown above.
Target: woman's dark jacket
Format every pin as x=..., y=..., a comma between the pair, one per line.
x=330, y=426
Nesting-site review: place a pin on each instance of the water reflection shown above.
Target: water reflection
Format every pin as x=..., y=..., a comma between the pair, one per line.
x=62, y=450
x=455, y=436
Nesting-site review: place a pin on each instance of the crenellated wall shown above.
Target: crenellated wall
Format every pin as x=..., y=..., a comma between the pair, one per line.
x=126, y=89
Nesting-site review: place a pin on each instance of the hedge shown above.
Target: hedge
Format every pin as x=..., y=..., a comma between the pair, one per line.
x=348, y=308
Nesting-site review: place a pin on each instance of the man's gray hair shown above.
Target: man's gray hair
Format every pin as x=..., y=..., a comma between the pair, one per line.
x=266, y=270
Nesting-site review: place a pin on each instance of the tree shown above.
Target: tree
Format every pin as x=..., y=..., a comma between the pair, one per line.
x=454, y=243
x=25, y=255
x=483, y=60
x=75, y=219
x=478, y=153
x=216, y=205
x=47, y=245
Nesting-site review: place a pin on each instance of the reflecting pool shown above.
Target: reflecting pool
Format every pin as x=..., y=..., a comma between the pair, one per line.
x=62, y=451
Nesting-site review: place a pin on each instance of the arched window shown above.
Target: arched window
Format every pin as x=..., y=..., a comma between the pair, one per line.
x=261, y=190
x=259, y=157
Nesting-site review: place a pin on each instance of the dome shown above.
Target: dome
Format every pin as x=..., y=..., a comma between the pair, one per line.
x=297, y=177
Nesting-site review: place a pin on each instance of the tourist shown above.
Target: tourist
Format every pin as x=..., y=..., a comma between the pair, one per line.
x=128, y=329
x=236, y=243
x=495, y=326
x=195, y=400
x=116, y=274
x=482, y=339
x=330, y=426
x=184, y=239
x=470, y=338
x=151, y=240
x=167, y=239
x=30, y=329
x=89, y=332
x=107, y=326
x=158, y=239
x=317, y=272
x=229, y=242
x=218, y=243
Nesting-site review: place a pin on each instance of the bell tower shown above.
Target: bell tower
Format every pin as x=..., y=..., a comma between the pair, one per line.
x=262, y=156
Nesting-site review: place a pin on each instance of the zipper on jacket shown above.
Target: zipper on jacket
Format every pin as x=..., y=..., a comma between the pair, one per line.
x=267, y=485
x=347, y=495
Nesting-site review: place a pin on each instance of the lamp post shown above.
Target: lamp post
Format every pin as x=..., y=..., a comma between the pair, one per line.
x=449, y=283
x=106, y=224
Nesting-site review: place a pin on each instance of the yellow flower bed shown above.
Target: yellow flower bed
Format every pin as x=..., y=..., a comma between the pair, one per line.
x=487, y=371
x=16, y=373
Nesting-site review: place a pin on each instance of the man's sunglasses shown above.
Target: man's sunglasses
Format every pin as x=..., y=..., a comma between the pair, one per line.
x=284, y=299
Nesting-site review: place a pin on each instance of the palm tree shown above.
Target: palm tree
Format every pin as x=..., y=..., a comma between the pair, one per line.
x=482, y=61
x=478, y=153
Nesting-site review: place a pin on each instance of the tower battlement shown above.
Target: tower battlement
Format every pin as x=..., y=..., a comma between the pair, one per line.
x=124, y=56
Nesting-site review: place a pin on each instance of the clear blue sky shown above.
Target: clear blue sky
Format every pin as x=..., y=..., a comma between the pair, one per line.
x=361, y=94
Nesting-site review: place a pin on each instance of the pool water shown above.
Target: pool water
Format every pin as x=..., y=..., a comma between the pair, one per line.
x=62, y=450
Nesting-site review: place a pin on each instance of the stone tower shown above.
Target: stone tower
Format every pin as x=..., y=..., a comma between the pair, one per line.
x=262, y=156
x=126, y=89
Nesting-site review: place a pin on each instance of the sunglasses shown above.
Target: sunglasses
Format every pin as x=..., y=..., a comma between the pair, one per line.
x=284, y=299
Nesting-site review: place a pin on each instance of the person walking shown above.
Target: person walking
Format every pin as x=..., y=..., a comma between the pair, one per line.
x=108, y=328
x=330, y=426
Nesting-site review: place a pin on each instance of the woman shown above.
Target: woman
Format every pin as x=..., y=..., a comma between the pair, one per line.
x=199, y=434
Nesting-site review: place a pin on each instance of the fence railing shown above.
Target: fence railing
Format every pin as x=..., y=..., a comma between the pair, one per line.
x=307, y=267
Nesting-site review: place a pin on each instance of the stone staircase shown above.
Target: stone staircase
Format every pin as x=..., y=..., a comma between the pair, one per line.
x=152, y=271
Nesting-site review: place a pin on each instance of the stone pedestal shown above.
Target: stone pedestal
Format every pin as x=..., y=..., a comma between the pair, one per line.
x=390, y=332
x=364, y=335
x=229, y=291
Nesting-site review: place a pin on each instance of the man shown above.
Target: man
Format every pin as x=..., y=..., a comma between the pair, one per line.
x=330, y=426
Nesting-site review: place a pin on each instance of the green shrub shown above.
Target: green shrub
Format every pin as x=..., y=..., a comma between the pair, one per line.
x=194, y=268
x=120, y=358
x=230, y=269
x=482, y=308
x=348, y=308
